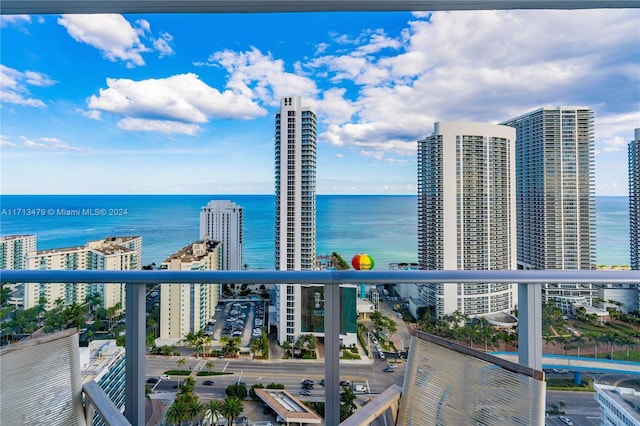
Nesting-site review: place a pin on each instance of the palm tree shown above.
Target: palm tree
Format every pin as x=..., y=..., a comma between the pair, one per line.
x=347, y=397
x=579, y=341
x=287, y=347
x=194, y=409
x=180, y=363
x=209, y=365
x=255, y=345
x=176, y=414
x=231, y=408
x=213, y=411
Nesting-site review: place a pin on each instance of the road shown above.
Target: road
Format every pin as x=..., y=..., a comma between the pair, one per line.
x=580, y=407
x=289, y=373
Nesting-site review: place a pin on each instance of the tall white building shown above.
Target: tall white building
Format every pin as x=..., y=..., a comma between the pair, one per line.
x=112, y=253
x=14, y=249
x=466, y=214
x=295, y=206
x=221, y=220
x=634, y=200
x=186, y=308
x=556, y=194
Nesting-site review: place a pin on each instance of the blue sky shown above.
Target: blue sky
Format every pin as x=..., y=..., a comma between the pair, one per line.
x=185, y=104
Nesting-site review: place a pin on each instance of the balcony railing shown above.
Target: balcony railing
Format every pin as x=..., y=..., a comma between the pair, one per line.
x=529, y=308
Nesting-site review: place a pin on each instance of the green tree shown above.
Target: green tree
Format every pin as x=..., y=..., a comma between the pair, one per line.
x=180, y=363
x=231, y=408
x=237, y=390
x=347, y=399
x=5, y=294
x=194, y=410
x=213, y=411
x=255, y=345
x=209, y=365
x=177, y=413
x=252, y=391
x=578, y=341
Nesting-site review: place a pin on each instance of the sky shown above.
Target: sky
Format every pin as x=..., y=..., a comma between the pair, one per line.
x=186, y=103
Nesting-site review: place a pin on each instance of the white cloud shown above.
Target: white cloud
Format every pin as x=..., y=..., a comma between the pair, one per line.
x=13, y=86
x=162, y=45
x=162, y=126
x=92, y=114
x=115, y=37
x=49, y=144
x=258, y=75
x=7, y=20
x=5, y=142
x=478, y=66
x=180, y=98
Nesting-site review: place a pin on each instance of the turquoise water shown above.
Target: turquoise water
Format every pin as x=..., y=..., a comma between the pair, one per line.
x=385, y=227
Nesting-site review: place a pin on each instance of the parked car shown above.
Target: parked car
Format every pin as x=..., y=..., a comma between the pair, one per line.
x=305, y=392
x=152, y=380
x=345, y=383
x=566, y=420
x=388, y=370
x=165, y=377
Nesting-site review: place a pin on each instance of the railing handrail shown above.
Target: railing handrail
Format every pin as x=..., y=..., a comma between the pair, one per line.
x=98, y=400
x=13, y=7
x=323, y=277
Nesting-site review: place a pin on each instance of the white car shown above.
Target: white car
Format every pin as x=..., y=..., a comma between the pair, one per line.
x=165, y=377
x=566, y=420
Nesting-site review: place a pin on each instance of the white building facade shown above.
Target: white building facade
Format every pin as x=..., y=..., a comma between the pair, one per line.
x=221, y=220
x=466, y=215
x=186, y=308
x=618, y=406
x=14, y=249
x=556, y=194
x=112, y=253
x=295, y=206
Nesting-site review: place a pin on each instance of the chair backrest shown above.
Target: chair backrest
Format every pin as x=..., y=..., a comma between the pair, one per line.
x=41, y=381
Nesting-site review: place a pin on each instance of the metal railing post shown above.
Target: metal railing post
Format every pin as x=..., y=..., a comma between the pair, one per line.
x=332, y=353
x=134, y=343
x=530, y=325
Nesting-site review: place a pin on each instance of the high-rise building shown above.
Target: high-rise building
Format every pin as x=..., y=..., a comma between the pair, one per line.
x=295, y=206
x=555, y=194
x=186, y=308
x=112, y=253
x=221, y=220
x=466, y=215
x=14, y=249
x=634, y=200
x=104, y=362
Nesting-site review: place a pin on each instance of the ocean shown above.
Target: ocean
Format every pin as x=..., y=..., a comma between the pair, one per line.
x=383, y=226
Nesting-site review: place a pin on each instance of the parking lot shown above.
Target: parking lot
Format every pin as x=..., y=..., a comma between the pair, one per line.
x=238, y=318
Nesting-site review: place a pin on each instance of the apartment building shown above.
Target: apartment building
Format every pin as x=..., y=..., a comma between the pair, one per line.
x=295, y=206
x=555, y=194
x=466, y=215
x=186, y=308
x=221, y=220
x=112, y=253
